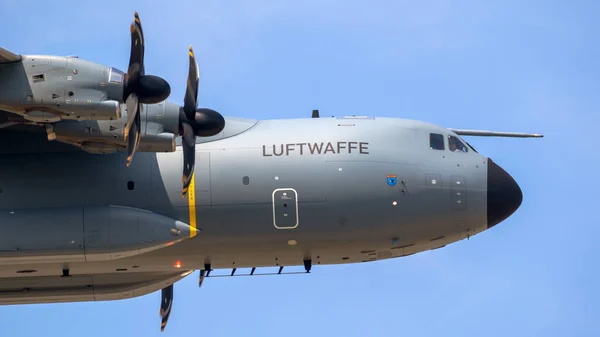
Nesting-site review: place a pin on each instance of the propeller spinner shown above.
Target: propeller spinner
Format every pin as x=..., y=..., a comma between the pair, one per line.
x=139, y=88
x=195, y=122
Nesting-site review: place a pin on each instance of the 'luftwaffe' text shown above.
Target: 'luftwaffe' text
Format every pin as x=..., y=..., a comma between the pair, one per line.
x=315, y=148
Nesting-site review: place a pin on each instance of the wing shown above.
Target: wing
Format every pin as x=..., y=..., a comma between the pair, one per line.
x=6, y=56
x=19, y=137
x=486, y=133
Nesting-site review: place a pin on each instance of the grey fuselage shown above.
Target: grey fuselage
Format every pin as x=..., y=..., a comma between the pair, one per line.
x=265, y=193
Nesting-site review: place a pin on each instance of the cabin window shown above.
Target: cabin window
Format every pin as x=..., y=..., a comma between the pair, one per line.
x=115, y=75
x=455, y=145
x=436, y=141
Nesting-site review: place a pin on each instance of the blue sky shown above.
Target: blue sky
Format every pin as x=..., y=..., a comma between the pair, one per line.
x=508, y=65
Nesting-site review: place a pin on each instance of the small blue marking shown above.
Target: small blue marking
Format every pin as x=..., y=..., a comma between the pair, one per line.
x=391, y=180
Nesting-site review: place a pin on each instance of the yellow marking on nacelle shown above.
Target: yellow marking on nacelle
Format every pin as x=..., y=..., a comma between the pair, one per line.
x=192, y=206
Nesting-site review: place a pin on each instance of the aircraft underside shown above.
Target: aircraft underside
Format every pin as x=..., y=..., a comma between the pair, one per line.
x=78, y=288
x=141, y=275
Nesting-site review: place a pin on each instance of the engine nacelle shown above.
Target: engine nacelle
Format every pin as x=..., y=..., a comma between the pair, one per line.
x=164, y=142
x=68, y=87
x=91, y=110
x=104, y=137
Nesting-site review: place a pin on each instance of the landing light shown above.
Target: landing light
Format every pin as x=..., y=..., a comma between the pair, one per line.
x=177, y=264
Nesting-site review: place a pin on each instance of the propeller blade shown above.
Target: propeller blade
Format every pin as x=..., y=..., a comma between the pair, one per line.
x=191, y=93
x=132, y=104
x=136, y=56
x=189, y=156
x=189, y=112
x=166, y=304
x=131, y=132
x=133, y=138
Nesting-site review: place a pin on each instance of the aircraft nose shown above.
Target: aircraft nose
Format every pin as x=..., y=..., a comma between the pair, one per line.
x=504, y=195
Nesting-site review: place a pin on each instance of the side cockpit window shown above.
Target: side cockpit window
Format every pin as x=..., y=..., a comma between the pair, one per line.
x=455, y=145
x=115, y=75
x=436, y=141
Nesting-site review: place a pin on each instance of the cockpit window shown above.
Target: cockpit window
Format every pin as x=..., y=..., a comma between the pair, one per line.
x=115, y=75
x=455, y=145
x=471, y=147
x=436, y=141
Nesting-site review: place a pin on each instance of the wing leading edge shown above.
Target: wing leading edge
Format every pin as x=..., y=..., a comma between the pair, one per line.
x=485, y=133
x=6, y=56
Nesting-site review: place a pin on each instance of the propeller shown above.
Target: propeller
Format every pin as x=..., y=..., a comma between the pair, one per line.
x=139, y=88
x=166, y=304
x=195, y=122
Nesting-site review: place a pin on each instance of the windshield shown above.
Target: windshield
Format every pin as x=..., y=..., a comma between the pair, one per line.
x=471, y=147
x=455, y=145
